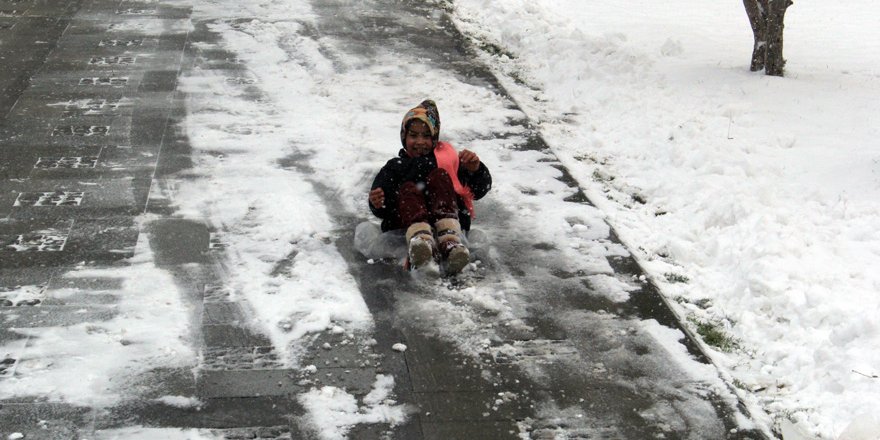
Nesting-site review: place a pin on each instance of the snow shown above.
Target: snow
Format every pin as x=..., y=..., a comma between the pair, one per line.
x=180, y=401
x=95, y=364
x=760, y=192
x=333, y=411
x=751, y=201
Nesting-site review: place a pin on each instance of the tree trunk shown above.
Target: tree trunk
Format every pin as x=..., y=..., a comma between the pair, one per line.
x=757, y=12
x=775, y=62
x=767, y=20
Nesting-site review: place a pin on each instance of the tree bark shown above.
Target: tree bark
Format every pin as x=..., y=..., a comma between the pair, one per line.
x=767, y=20
x=775, y=25
x=756, y=11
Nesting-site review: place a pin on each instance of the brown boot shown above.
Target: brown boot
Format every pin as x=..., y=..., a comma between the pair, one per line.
x=420, y=239
x=452, y=249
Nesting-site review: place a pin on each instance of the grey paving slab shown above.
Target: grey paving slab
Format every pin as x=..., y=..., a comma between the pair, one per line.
x=257, y=433
x=240, y=358
x=338, y=350
x=214, y=413
x=45, y=421
x=69, y=280
x=466, y=430
x=89, y=37
x=61, y=86
x=214, y=313
x=411, y=429
x=52, y=131
x=41, y=242
x=435, y=366
x=68, y=199
x=247, y=383
x=24, y=55
x=54, y=316
x=75, y=106
x=104, y=62
x=357, y=381
x=475, y=406
x=47, y=8
x=44, y=163
x=162, y=382
x=224, y=335
x=179, y=241
x=11, y=278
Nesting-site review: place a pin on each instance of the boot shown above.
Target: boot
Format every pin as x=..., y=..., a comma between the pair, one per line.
x=420, y=239
x=452, y=249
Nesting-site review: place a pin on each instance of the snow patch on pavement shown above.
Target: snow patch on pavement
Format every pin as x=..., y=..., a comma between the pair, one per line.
x=333, y=412
x=96, y=363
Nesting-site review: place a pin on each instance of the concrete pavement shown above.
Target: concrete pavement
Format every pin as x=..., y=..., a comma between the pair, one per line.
x=91, y=135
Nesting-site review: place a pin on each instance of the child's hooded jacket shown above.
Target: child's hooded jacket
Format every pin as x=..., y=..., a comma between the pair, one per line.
x=469, y=186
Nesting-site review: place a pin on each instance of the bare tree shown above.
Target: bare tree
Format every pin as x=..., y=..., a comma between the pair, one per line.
x=766, y=18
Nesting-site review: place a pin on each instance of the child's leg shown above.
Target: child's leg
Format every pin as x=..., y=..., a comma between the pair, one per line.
x=414, y=216
x=442, y=200
x=411, y=205
x=443, y=210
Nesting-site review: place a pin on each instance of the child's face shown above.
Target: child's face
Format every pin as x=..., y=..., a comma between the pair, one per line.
x=418, y=139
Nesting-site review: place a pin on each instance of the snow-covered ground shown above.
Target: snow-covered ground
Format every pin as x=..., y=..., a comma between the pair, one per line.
x=752, y=200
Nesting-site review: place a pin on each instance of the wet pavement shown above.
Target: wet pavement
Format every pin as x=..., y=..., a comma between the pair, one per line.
x=91, y=144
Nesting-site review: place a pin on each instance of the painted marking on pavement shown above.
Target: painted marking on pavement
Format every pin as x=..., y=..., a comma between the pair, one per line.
x=112, y=42
x=81, y=130
x=40, y=241
x=114, y=81
x=66, y=162
x=106, y=61
x=53, y=198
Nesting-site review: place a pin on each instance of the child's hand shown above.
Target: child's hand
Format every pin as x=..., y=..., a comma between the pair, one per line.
x=469, y=160
x=377, y=198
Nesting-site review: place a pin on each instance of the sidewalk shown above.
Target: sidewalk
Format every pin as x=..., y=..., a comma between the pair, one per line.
x=92, y=146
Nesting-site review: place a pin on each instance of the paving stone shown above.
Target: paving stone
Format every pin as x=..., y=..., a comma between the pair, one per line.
x=60, y=86
x=162, y=382
x=259, y=433
x=499, y=430
x=11, y=278
x=475, y=406
x=341, y=351
x=178, y=241
x=436, y=366
x=214, y=413
x=240, y=358
x=247, y=383
x=54, y=316
x=69, y=280
x=54, y=243
x=44, y=421
x=68, y=199
x=411, y=429
x=216, y=336
x=357, y=381
x=222, y=313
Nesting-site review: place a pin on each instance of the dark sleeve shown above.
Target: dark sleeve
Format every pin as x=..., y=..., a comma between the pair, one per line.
x=385, y=180
x=395, y=172
x=479, y=181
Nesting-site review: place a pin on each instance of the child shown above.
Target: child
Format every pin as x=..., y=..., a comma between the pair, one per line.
x=429, y=184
